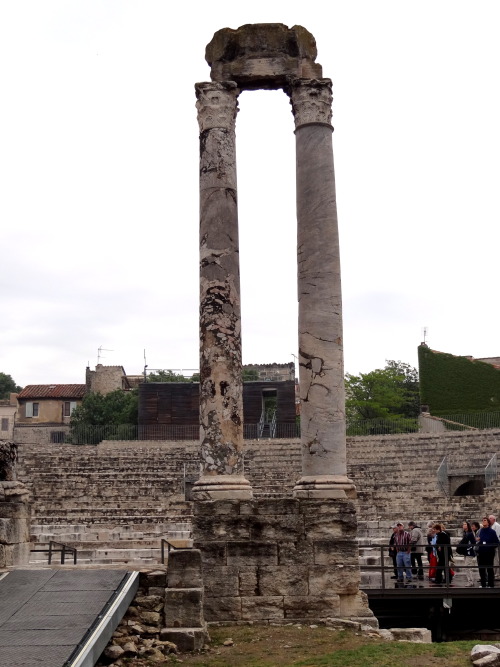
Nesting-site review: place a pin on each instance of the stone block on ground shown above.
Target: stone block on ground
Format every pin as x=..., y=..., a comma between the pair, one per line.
x=186, y=639
x=419, y=635
x=184, y=608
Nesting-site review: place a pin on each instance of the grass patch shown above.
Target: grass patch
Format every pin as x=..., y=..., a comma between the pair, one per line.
x=294, y=646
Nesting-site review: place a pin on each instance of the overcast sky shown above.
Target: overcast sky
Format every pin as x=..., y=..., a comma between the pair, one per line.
x=99, y=182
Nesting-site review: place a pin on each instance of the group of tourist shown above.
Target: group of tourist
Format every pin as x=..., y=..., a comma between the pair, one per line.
x=479, y=547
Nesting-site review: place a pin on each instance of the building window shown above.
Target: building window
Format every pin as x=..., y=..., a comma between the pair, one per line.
x=5, y=423
x=69, y=406
x=57, y=436
x=32, y=409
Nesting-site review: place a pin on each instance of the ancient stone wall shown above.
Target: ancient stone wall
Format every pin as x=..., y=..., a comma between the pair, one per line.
x=275, y=560
x=38, y=435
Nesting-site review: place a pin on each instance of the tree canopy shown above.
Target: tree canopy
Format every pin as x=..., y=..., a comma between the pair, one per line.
x=117, y=407
x=390, y=393
x=7, y=385
x=162, y=375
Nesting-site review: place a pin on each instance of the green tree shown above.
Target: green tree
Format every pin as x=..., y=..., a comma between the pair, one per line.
x=7, y=385
x=117, y=407
x=170, y=376
x=249, y=375
x=390, y=393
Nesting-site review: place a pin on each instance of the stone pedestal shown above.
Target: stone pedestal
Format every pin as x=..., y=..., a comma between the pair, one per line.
x=15, y=518
x=185, y=625
x=283, y=561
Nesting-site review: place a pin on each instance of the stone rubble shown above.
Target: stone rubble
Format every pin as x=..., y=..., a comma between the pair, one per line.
x=483, y=655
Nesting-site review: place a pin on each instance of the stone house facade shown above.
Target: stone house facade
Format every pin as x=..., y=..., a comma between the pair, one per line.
x=8, y=410
x=48, y=404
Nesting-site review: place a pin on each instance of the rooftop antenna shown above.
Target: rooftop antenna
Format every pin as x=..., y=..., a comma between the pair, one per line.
x=425, y=336
x=145, y=366
x=101, y=349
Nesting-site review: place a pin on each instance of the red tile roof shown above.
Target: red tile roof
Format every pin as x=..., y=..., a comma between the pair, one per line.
x=53, y=391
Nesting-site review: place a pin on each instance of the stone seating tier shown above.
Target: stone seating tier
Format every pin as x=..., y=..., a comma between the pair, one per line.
x=141, y=484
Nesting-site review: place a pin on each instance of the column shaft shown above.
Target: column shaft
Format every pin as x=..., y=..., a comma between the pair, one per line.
x=321, y=370
x=221, y=386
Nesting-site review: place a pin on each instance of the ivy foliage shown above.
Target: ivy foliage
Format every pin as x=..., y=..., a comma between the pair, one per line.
x=457, y=385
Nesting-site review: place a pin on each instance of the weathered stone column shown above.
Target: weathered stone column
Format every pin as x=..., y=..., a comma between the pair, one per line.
x=221, y=386
x=321, y=367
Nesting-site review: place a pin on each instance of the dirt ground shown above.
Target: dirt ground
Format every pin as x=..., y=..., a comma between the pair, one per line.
x=315, y=646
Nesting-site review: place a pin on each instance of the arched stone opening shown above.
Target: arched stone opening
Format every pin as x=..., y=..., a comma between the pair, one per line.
x=473, y=487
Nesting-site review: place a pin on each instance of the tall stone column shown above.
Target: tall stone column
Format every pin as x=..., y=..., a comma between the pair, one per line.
x=221, y=385
x=321, y=367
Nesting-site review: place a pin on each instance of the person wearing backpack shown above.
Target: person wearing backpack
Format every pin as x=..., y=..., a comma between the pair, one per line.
x=417, y=548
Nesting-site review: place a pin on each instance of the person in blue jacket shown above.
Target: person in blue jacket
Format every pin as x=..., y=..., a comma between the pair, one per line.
x=487, y=544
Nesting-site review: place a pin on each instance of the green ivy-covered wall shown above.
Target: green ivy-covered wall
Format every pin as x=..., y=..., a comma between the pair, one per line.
x=457, y=385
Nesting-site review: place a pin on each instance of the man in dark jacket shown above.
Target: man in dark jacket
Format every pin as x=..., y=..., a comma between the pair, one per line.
x=443, y=554
x=487, y=545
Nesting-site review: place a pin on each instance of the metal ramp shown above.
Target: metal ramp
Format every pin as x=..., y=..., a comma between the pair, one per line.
x=61, y=618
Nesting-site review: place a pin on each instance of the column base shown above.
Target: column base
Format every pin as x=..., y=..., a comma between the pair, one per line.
x=324, y=486
x=222, y=487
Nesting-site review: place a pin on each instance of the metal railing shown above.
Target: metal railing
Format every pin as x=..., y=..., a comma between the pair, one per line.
x=490, y=472
x=65, y=548
x=449, y=569
x=442, y=476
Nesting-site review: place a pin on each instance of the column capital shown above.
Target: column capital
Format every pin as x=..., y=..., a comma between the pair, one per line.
x=311, y=101
x=217, y=104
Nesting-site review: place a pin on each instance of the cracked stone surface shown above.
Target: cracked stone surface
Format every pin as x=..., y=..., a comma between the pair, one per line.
x=321, y=368
x=221, y=404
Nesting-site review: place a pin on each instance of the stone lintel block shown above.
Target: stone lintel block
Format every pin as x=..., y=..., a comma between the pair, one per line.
x=156, y=578
x=262, y=55
x=335, y=552
x=327, y=580
x=186, y=639
x=311, y=606
x=222, y=581
x=221, y=527
x=261, y=608
x=10, y=510
x=184, y=569
x=248, y=581
x=210, y=508
x=342, y=508
x=13, y=531
x=297, y=552
x=246, y=554
x=276, y=580
x=277, y=527
x=212, y=553
x=222, y=609
x=184, y=608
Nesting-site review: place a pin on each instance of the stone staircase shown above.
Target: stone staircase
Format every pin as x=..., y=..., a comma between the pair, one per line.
x=115, y=501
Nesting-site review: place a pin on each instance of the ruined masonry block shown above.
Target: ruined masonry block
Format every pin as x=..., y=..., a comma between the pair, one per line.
x=248, y=582
x=311, y=607
x=187, y=639
x=295, y=553
x=222, y=609
x=212, y=553
x=184, y=569
x=344, y=579
x=280, y=527
x=262, y=608
x=14, y=531
x=184, y=608
x=335, y=552
x=283, y=581
x=217, y=528
x=223, y=582
x=252, y=553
